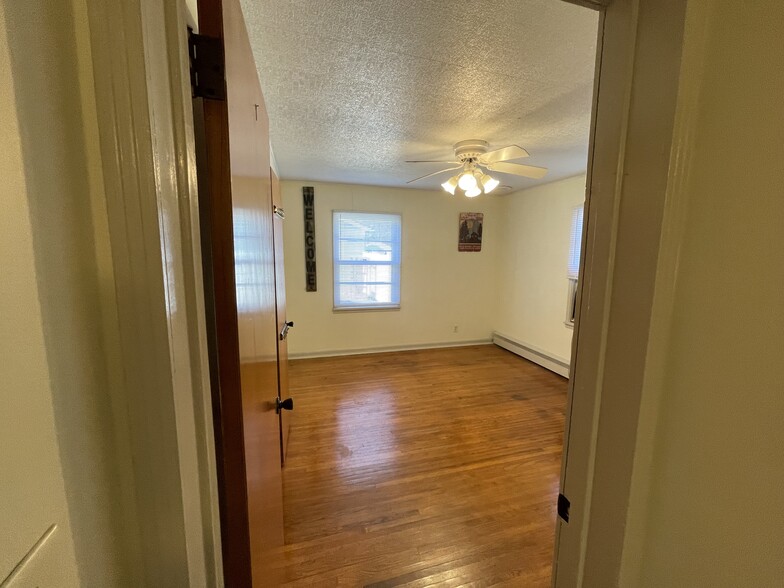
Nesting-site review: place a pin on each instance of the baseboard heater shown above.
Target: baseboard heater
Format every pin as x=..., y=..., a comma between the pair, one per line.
x=553, y=363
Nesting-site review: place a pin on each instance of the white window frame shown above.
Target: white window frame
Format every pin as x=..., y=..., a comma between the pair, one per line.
x=367, y=307
x=575, y=241
x=571, y=303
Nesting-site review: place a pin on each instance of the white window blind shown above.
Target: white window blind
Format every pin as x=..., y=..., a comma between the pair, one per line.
x=575, y=243
x=366, y=252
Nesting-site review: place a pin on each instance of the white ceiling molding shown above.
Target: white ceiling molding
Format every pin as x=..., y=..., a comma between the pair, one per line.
x=355, y=88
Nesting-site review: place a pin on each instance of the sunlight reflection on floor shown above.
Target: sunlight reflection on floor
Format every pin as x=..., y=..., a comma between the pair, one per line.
x=366, y=430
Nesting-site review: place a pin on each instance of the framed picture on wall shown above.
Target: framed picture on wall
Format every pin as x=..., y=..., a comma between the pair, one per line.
x=470, y=231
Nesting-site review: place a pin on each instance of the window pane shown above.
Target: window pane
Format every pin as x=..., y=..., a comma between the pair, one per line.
x=359, y=250
x=366, y=273
x=365, y=295
x=351, y=250
x=366, y=251
x=575, y=242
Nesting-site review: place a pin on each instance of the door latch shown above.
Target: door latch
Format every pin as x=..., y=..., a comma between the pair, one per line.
x=284, y=332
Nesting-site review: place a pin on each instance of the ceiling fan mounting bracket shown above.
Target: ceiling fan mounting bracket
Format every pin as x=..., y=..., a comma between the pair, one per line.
x=470, y=150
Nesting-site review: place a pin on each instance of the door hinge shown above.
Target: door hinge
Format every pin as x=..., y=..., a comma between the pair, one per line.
x=563, y=507
x=208, y=70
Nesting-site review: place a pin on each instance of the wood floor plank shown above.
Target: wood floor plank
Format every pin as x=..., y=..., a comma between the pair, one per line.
x=422, y=468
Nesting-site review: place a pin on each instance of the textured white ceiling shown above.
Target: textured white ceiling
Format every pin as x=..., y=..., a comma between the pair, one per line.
x=356, y=87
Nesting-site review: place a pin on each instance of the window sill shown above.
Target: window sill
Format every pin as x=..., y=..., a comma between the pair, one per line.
x=364, y=308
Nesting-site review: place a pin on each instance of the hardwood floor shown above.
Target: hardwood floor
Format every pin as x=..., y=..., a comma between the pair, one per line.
x=422, y=468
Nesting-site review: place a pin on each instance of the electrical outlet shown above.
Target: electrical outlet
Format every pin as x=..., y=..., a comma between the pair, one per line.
x=455, y=329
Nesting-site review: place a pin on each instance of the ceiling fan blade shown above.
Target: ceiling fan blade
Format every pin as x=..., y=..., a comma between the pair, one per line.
x=518, y=169
x=435, y=174
x=503, y=154
x=431, y=161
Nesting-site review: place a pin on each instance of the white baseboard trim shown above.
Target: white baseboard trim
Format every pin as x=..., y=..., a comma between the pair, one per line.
x=388, y=349
x=556, y=364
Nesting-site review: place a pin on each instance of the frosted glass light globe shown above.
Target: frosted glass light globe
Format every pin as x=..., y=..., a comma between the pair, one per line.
x=450, y=185
x=489, y=184
x=467, y=181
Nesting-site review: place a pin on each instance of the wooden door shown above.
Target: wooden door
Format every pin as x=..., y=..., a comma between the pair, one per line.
x=242, y=277
x=283, y=322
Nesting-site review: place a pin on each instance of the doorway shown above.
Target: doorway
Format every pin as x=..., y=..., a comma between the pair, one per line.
x=360, y=329
x=599, y=244
x=629, y=42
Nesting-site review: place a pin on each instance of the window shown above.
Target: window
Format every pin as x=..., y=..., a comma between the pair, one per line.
x=366, y=253
x=573, y=270
x=248, y=259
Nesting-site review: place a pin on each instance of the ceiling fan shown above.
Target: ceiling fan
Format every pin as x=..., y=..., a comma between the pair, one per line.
x=471, y=156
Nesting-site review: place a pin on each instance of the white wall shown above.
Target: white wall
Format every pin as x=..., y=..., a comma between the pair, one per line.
x=98, y=436
x=516, y=285
x=711, y=502
x=32, y=491
x=59, y=447
x=532, y=286
x=440, y=287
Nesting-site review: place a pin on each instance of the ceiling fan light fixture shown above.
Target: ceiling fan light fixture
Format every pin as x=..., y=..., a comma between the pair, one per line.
x=472, y=159
x=450, y=185
x=467, y=181
x=489, y=184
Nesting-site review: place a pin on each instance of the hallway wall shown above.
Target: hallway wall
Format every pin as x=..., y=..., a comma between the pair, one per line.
x=57, y=377
x=706, y=510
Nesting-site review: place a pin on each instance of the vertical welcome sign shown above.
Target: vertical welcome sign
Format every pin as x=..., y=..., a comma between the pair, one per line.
x=309, y=218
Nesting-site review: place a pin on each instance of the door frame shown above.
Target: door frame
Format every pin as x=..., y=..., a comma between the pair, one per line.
x=143, y=113
x=612, y=333
x=280, y=314
x=638, y=134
